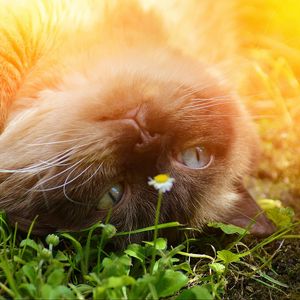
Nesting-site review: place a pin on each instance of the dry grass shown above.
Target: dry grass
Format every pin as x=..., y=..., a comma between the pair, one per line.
x=270, y=33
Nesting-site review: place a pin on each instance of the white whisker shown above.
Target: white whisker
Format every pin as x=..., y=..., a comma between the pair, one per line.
x=44, y=165
x=57, y=142
x=98, y=168
x=54, y=176
x=203, y=106
x=68, y=182
x=216, y=115
x=199, y=105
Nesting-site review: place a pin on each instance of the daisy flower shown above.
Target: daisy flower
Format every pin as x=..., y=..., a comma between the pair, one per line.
x=162, y=182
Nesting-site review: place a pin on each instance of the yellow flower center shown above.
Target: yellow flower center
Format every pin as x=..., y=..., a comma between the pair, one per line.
x=161, y=178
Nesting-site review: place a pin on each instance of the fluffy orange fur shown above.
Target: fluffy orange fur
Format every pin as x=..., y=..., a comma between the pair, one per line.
x=71, y=70
x=42, y=35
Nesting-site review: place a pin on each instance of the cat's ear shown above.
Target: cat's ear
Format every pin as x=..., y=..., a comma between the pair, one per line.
x=247, y=212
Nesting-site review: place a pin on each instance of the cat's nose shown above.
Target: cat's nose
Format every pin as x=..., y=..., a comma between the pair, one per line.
x=148, y=141
x=138, y=114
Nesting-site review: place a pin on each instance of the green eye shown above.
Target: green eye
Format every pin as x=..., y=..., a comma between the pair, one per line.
x=111, y=197
x=196, y=157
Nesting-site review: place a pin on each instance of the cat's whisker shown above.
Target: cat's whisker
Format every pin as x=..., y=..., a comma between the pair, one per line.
x=72, y=132
x=196, y=107
x=199, y=101
x=57, y=142
x=39, y=166
x=196, y=118
x=44, y=138
x=57, y=160
x=49, y=163
x=54, y=176
x=186, y=96
x=73, y=179
x=59, y=164
x=201, y=88
x=213, y=98
x=198, y=88
x=68, y=182
x=31, y=169
x=70, y=168
x=61, y=132
x=205, y=103
x=195, y=90
x=74, y=201
x=93, y=175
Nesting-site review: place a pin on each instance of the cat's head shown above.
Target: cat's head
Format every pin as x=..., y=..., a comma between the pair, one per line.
x=91, y=142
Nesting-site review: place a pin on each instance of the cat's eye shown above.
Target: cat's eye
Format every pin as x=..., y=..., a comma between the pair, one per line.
x=195, y=157
x=111, y=197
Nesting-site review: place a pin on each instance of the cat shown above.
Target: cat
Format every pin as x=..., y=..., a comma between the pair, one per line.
x=99, y=96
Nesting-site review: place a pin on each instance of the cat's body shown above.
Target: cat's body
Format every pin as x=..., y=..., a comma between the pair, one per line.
x=99, y=94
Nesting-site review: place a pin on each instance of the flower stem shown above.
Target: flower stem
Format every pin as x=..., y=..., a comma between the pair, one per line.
x=157, y=214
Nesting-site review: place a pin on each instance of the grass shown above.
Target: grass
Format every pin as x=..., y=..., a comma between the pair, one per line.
x=81, y=266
